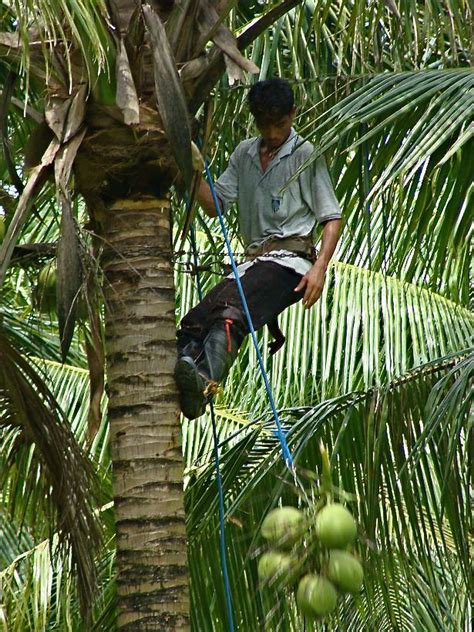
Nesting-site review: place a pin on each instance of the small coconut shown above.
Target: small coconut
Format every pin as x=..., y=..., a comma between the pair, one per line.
x=316, y=596
x=3, y=229
x=277, y=569
x=44, y=294
x=335, y=526
x=284, y=526
x=345, y=571
x=45, y=290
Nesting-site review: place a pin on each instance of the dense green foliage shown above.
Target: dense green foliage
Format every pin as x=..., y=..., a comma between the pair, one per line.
x=380, y=369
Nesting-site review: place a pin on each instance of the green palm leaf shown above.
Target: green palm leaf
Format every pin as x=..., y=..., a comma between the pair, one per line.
x=431, y=112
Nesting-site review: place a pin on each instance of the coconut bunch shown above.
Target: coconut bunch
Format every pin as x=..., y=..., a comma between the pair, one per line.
x=311, y=551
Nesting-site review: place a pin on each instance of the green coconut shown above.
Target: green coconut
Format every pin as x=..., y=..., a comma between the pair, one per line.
x=45, y=290
x=3, y=229
x=335, y=526
x=316, y=596
x=345, y=571
x=284, y=526
x=44, y=294
x=277, y=569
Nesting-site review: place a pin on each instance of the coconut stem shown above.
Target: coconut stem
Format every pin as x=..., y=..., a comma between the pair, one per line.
x=326, y=479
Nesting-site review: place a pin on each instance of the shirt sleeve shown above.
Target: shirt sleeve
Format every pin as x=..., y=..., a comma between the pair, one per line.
x=227, y=185
x=318, y=192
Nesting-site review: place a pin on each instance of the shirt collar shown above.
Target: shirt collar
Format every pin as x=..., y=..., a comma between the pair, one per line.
x=284, y=150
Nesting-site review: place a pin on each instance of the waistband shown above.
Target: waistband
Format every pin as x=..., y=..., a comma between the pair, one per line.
x=299, y=245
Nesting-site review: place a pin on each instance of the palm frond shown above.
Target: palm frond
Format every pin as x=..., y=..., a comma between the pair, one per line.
x=30, y=608
x=38, y=576
x=409, y=135
x=44, y=471
x=38, y=583
x=46, y=25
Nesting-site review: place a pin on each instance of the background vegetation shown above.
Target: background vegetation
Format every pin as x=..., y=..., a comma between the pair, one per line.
x=380, y=370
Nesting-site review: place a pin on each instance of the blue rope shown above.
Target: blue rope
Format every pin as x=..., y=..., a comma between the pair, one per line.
x=225, y=572
x=280, y=434
x=279, y=431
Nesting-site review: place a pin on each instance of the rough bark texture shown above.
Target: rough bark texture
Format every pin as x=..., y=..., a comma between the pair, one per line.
x=144, y=417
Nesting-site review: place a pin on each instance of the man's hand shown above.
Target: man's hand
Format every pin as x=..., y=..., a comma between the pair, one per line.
x=312, y=283
x=313, y=280
x=198, y=160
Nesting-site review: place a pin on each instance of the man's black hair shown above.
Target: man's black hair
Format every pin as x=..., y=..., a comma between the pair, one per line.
x=271, y=99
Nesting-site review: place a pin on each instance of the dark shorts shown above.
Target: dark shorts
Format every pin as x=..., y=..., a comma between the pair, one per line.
x=268, y=288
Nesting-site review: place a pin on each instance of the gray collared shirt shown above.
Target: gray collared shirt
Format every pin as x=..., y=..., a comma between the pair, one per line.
x=264, y=210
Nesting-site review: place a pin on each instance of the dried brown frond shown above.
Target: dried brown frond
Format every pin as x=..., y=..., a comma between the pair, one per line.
x=64, y=486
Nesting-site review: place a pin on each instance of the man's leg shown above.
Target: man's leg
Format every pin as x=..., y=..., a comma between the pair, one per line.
x=268, y=288
x=205, y=340
x=196, y=324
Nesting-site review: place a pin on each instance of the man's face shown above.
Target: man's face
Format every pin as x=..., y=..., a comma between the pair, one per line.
x=275, y=131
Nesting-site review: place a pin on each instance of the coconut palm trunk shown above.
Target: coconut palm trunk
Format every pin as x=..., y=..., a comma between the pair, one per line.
x=143, y=414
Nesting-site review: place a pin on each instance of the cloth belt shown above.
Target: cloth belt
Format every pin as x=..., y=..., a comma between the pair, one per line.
x=299, y=245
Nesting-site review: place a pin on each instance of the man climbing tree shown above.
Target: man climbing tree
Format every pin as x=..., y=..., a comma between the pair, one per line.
x=276, y=219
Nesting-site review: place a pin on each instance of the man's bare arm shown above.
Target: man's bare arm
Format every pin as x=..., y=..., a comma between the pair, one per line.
x=329, y=239
x=313, y=280
x=203, y=195
x=205, y=199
